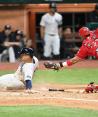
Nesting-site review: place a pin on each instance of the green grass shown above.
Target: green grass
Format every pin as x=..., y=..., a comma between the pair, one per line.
x=45, y=111
x=6, y=72
x=66, y=76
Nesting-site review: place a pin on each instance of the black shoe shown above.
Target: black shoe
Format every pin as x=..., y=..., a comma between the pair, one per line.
x=56, y=57
x=46, y=58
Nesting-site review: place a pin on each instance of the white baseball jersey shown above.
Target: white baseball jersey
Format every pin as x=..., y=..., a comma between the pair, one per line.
x=24, y=72
x=51, y=37
x=51, y=23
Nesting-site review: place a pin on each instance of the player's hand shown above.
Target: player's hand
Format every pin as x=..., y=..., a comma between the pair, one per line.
x=31, y=91
x=51, y=65
x=7, y=44
x=28, y=91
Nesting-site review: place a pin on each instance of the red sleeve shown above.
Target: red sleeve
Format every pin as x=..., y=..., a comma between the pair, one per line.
x=83, y=52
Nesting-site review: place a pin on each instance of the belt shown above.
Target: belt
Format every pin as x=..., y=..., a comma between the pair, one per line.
x=51, y=34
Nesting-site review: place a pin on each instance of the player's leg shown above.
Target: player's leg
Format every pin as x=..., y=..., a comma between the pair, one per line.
x=8, y=81
x=89, y=90
x=47, y=46
x=56, y=46
x=11, y=54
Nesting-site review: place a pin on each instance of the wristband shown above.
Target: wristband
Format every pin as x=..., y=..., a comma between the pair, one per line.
x=66, y=63
x=69, y=63
x=28, y=84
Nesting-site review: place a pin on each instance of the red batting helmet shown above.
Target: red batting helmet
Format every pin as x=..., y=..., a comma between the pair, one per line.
x=84, y=31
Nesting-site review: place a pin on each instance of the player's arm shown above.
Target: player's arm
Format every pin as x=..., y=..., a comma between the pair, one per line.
x=17, y=72
x=42, y=27
x=36, y=63
x=60, y=26
x=8, y=44
x=28, y=74
x=60, y=31
x=70, y=61
x=57, y=66
x=42, y=32
x=81, y=54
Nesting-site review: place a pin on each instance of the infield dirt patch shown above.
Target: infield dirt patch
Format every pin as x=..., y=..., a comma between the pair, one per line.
x=71, y=97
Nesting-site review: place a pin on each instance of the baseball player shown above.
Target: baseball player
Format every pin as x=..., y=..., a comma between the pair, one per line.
x=89, y=48
x=50, y=30
x=91, y=88
x=22, y=78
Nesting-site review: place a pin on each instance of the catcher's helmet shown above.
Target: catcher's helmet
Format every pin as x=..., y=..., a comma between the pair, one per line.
x=91, y=83
x=52, y=5
x=27, y=51
x=84, y=31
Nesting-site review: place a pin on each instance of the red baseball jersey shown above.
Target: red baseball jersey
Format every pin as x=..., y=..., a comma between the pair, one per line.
x=89, y=47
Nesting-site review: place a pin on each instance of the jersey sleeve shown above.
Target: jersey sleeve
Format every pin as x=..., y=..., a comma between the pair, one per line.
x=28, y=70
x=83, y=52
x=36, y=63
x=42, y=23
x=59, y=19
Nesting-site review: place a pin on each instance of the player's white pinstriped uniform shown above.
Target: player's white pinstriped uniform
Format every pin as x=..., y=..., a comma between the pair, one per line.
x=24, y=72
x=51, y=37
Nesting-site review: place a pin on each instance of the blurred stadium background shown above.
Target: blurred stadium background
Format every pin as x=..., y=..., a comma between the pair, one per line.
x=25, y=15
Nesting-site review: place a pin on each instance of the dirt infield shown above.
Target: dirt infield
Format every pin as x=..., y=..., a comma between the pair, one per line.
x=71, y=97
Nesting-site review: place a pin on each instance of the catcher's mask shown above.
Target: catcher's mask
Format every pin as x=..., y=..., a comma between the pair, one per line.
x=27, y=51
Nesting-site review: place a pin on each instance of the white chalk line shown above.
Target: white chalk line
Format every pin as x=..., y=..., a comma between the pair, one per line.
x=72, y=99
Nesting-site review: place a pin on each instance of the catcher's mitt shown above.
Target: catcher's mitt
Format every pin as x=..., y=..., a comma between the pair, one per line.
x=50, y=65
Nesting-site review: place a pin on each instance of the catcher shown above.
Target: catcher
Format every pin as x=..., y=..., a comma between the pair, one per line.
x=91, y=88
x=22, y=78
x=89, y=48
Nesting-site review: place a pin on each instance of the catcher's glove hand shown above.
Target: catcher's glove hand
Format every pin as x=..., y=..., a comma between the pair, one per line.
x=50, y=65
